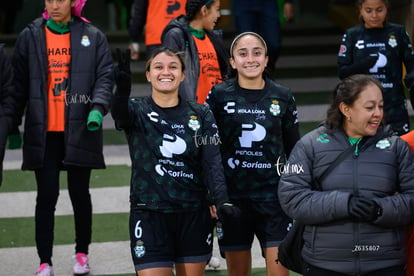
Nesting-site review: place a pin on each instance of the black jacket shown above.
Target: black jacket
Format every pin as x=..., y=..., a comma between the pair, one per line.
x=90, y=87
x=6, y=102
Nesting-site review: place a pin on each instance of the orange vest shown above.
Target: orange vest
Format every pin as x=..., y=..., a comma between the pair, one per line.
x=159, y=14
x=210, y=73
x=58, y=57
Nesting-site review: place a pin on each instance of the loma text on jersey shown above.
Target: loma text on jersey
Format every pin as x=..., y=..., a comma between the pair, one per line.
x=250, y=111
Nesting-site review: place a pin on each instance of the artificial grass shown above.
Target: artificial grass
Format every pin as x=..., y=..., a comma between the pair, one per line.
x=114, y=137
x=19, y=232
x=23, y=181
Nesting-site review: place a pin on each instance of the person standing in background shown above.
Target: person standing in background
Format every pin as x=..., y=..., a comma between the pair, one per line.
x=64, y=79
x=356, y=222
x=258, y=125
x=153, y=16
x=380, y=49
x=409, y=138
x=206, y=58
x=263, y=17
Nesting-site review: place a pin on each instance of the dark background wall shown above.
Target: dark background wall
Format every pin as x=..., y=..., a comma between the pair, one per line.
x=342, y=13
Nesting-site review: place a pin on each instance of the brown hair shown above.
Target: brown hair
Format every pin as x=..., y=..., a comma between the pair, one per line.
x=347, y=91
x=360, y=2
x=167, y=51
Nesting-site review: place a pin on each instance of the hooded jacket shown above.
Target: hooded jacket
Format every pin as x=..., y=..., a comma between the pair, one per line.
x=381, y=170
x=177, y=36
x=90, y=87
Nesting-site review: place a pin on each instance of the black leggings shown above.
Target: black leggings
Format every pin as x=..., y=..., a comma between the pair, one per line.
x=47, y=179
x=310, y=270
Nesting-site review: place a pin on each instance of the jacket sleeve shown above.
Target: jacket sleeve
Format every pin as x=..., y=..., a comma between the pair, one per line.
x=138, y=20
x=298, y=199
x=213, y=170
x=398, y=208
x=290, y=126
x=120, y=112
x=21, y=66
x=104, y=82
x=7, y=90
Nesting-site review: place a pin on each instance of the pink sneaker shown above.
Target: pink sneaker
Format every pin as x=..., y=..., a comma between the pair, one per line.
x=44, y=270
x=81, y=266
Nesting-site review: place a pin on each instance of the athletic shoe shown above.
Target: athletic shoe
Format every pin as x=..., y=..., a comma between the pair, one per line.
x=81, y=266
x=44, y=270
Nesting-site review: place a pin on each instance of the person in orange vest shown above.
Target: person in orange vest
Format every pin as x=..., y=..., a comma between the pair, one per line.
x=206, y=57
x=151, y=16
x=409, y=138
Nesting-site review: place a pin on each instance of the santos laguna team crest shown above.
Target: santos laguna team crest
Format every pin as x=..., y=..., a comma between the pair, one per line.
x=85, y=41
x=193, y=123
x=139, y=249
x=275, y=108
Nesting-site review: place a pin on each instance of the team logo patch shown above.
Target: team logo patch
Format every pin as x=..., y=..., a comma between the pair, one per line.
x=139, y=249
x=85, y=41
x=219, y=231
x=392, y=41
x=193, y=123
x=323, y=139
x=275, y=108
x=383, y=144
x=342, y=51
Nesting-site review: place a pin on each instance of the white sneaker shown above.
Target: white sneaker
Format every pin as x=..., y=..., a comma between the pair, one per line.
x=44, y=270
x=81, y=266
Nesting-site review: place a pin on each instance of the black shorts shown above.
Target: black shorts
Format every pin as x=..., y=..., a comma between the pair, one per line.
x=266, y=220
x=162, y=239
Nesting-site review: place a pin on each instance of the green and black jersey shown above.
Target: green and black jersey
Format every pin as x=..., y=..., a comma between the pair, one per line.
x=175, y=155
x=258, y=129
x=391, y=44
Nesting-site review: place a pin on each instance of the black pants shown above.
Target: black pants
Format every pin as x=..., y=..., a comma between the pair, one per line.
x=47, y=179
x=310, y=270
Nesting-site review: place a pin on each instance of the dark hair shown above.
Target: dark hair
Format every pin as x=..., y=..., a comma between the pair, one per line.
x=347, y=91
x=239, y=36
x=360, y=2
x=233, y=72
x=192, y=7
x=167, y=51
